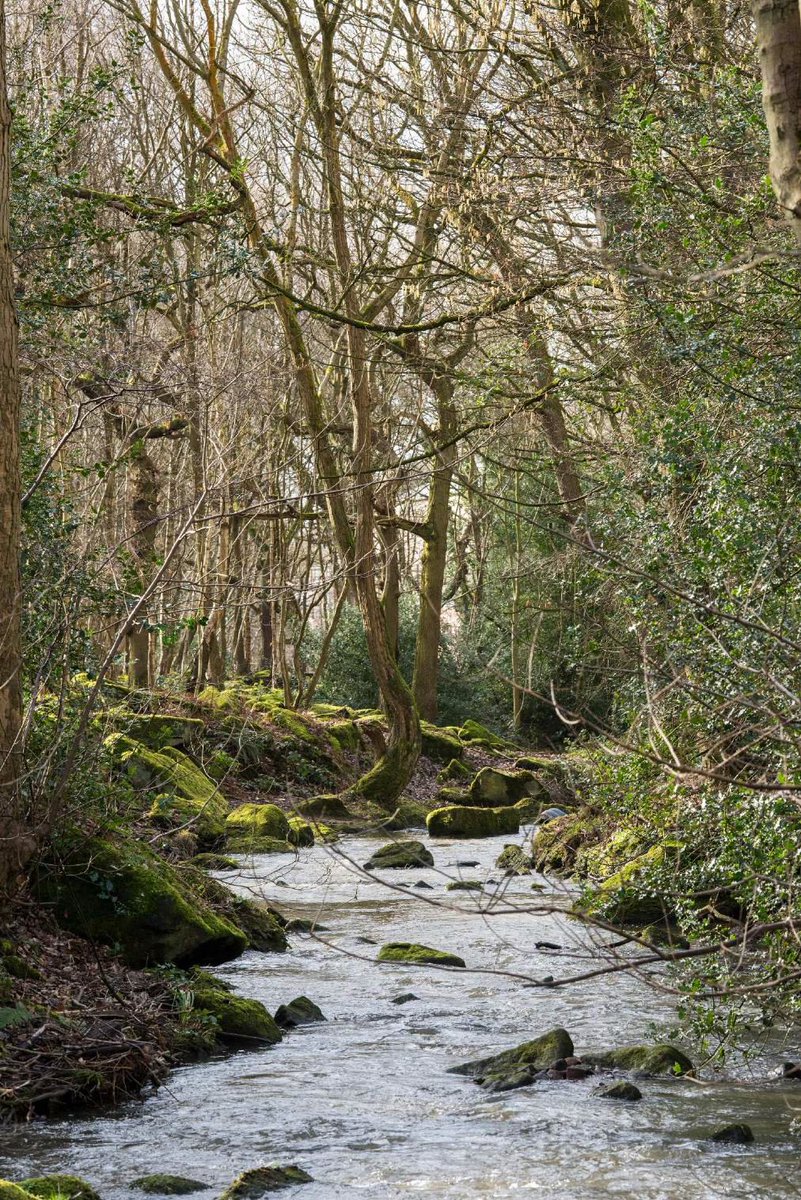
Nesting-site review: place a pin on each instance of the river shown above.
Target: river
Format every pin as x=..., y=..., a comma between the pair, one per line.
x=364, y=1102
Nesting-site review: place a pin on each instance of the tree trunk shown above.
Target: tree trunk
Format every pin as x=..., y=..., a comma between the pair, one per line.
x=778, y=32
x=16, y=839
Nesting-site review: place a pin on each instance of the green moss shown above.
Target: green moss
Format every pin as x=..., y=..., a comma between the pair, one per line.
x=300, y=833
x=452, y=795
x=329, y=807
x=660, y=1059
x=60, y=1187
x=464, y=885
x=401, y=854
x=17, y=1014
x=168, y=1185
x=412, y=952
x=294, y=723
x=493, y=788
x=183, y=793
x=344, y=734
x=18, y=968
x=263, y=931
x=6, y=987
x=300, y=1011
x=214, y=862
x=13, y=1191
x=259, y=820
x=630, y=896
x=513, y=860
x=251, y=1185
x=155, y=731
x=246, y=843
x=220, y=765
x=473, y=734
x=124, y=895
x=517, y=1067
x=236, y=1018
x=559, y=843
x=454, y=771
x=462, y=822
x=438, y=745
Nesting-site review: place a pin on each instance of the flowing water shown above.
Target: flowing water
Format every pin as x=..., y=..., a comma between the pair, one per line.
x=364, y=1101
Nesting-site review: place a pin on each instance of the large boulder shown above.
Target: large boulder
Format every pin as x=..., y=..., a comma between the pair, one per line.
x=660, y=1059
x=154, y=730
x=493, y=788
x=259, y=821
x=462, y=821
x=412, y=952
x=122, y=894
x=474, y=734
x=396, y=855
x=438, y=745
x=260, y=925
x=518, y=1067
x=180, y=793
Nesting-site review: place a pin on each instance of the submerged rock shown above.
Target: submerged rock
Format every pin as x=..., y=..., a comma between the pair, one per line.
x=304, y=925
x=661, y=1059
x=465, y=885
x=214, y=862
x=513, y=860
x=59, y=1187
x=461, y=821
x=412, y=952
x=421, y=883
x=251, y=1185
x=397, y=855
x=123, y=894
x=300, y=1011
x=404, y=998
x=618, y=1091
x=168, y=1185
x=733, y=1135
x=519, y=1066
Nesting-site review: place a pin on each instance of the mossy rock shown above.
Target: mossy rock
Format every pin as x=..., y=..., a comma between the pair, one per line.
x=397, y=855
x=292, y=722
x=13, y=1191
x=513, y=860
x=214, y=862
x=236, y=1018
x=329, y=807
x=168, y=1185
x=517, y=1067
x=607, y=857
x=412, y=952
x=301, y=833
x=493, y=788
x=251, y=1185
x=452, y=795
x=559, y=843
x=155, y=730
x=263, y=931
x=59, y=1187
x=259, y=820
x=343, y=734
x=438, y=745
x=458, y=821
x=465, y=885
x=619, y=1091
x=246, y=843
x=661, y=1059
x=473, y=734
x=454, y=771
x=124, y=895
x=628, y=897
x=182, y=792
x=300, y=1011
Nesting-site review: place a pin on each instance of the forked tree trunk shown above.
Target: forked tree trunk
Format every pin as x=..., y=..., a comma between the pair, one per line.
x=16, y=838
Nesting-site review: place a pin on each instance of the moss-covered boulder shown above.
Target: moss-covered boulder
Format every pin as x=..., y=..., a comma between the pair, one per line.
x=329, y=807
x=452, y=795
x=343, y=735
x=559, y=843
x=396, y=855
x=454, y=772
x=59, y=1187
x=661, y=1059
x=180, y=793
x=263, y=931
x=461, y=821
x=210, y=861
x=301, y=833
x=246, y=843
x=258, y=820
x=168, y=1185
x=632, y=896
x=517, y=1067
x=622, y=1090
x=13, y=1191
x=412, y=952
x=251, y=1185
x=513, y=860
x=465, y=885
x=236, y=1019
x=438, y=745
x=474, y=734
x=300, y=1011
x=155, y=730
x=124, y=895
x=493, y=788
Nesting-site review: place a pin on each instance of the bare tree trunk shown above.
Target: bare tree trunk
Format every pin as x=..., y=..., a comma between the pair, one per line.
x=778, y=33
x=144, y=518
x=16, y=840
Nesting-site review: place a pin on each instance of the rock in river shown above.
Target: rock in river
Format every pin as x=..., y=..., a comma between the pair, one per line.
x=519, y=1066
x=300, y=1011
x=399, y=855
x=618, y=1091
x=643, y=1060
x=168, y=1185
x=251, y=1185
x=463, y=821
x=733, y=1135
x=412, y=952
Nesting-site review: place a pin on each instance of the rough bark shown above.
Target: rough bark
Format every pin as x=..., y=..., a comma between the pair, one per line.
x=778, y=35
x=16, y=839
